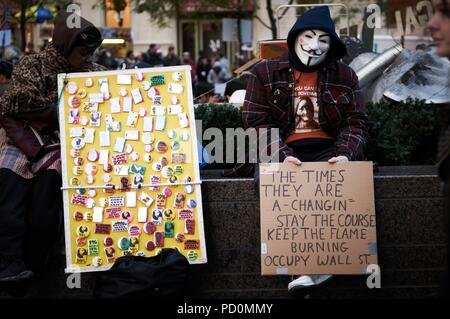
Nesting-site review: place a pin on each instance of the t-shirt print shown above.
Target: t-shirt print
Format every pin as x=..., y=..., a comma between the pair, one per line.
x=306, y=109
x=306, y=106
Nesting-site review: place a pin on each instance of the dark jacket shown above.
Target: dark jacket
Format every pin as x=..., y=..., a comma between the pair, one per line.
x=269, y=104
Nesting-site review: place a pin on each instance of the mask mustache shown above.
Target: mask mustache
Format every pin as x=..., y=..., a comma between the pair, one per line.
x=316, y=53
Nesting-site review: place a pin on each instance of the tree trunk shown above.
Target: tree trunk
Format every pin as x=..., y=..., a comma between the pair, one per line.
x=239, y=31
x=273, y=22
x=23, y=23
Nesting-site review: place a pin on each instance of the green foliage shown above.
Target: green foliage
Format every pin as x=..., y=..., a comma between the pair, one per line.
x=221, y=116
x=402, y=133
x=218, y=115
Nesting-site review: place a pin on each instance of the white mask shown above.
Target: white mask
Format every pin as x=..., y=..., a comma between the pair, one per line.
x=311, y=46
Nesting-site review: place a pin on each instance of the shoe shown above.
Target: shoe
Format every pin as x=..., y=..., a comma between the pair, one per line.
x=308, y=282
x=13, y=269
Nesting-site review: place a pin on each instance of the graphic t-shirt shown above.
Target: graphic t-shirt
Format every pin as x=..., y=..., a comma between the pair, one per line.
x=306, y=108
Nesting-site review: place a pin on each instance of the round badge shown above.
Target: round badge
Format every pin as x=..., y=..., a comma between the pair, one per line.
x=107, y=168
x=78, y=161
x=185, y=136
x=78, y=216
x=175, y=145
x=172, y=134
x=81, y=241
x=92, y=156
x=82, y=93
x=164, y=161
x=123, y=243
x=92, y=193
x=127, y=215
x=191, y=203
x=74, y=101
x=140, y=76
x=167, y=172
x=97, y=261
x=161, y=146
x=174, y=100
x=134, y=231
x=77, y=170
x=192, y=255
x=123, y=92
x=147, y=157
x=74, y=181
x=90, y=203
x=147, y=138
x=134, y=156
x=72, y=88
x=188, y=189
x=108, y=241
x=148, y=148
x=169, y=214
x=84, y=120
x=87, y=216
x=142, y=112
x=179, y=237
x=177, y=76
x=149, y=228
x=81, y=191
x=90, y=179
x=103, y=202
x=83, y=231
x=157, y=167
x=90, y=169
x=173, y=179
x=89, y=82
x=106, y=178
x=134, y=242
x=78, y=143
x=128, y=148
x=150, y=245
x=167, y=191
x=146, y=86
x=74, y=153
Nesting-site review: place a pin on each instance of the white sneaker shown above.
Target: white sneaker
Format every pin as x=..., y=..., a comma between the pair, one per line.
x=308, y=281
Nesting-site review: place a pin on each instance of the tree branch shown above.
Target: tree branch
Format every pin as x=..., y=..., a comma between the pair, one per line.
x=262, y=22
x=286, y=9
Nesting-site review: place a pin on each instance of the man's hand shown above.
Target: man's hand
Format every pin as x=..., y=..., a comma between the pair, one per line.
x=337, y=159
x=292, y=159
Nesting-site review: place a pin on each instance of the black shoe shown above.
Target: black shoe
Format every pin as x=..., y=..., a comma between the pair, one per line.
x=13, y=269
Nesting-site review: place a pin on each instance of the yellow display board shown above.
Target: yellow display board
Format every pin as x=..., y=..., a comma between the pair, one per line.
x=131, y=180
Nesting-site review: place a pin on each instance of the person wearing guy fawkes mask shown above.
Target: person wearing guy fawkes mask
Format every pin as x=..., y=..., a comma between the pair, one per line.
x=313, y=100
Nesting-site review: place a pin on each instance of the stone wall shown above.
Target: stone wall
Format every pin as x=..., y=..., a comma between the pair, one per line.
x=411, y=244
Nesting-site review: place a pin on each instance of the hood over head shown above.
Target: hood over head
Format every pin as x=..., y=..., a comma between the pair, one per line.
x=317, y=18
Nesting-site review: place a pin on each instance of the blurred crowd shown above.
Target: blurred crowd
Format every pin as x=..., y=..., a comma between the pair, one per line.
x=212, y=78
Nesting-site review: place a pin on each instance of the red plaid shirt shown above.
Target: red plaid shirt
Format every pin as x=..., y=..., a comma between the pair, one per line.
x=269, y=104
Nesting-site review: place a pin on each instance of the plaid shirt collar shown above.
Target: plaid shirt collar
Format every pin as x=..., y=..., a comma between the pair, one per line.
x=283, y=63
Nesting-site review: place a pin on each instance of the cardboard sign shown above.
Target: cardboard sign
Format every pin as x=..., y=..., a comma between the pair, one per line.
x=317, y=218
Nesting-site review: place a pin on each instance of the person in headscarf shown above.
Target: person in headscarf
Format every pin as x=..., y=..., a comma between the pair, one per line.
x=30, y=197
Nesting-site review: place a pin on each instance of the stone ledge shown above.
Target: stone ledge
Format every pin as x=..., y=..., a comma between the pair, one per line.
x=411, y=243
